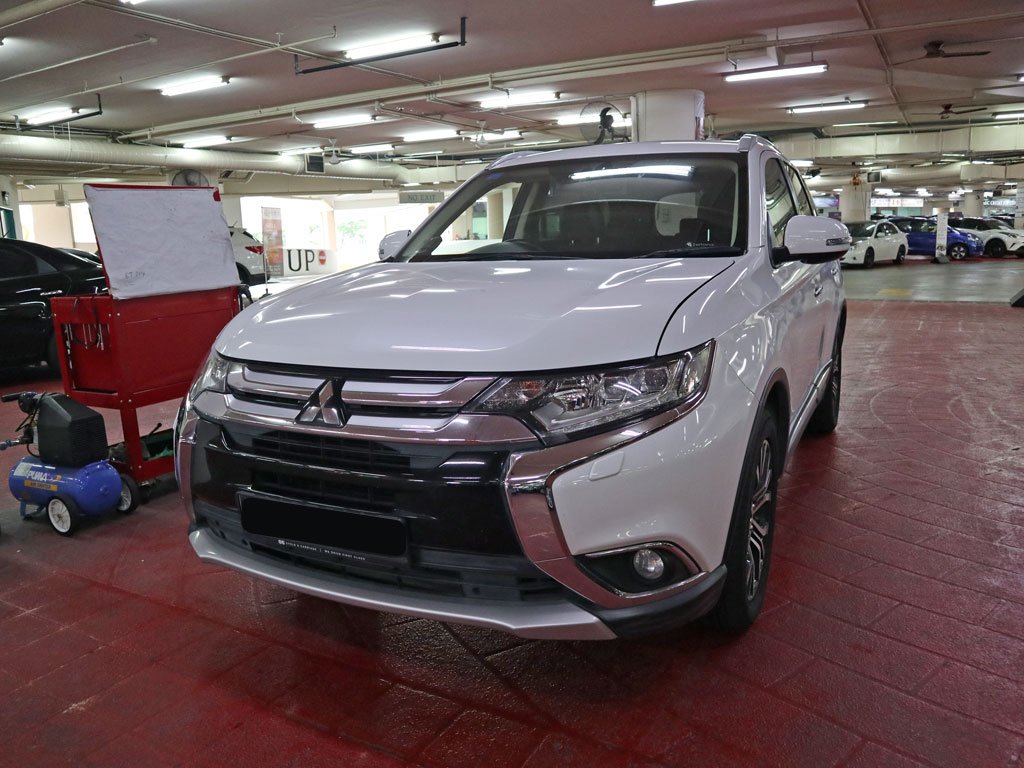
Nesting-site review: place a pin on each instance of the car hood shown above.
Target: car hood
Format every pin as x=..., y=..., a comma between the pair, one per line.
x=472, y=316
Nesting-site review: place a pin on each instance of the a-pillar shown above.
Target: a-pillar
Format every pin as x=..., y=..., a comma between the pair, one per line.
x=971, y=204
x=669, y=115
x=855, y=202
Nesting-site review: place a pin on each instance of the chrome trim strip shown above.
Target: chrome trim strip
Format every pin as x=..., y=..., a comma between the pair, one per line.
x=183, y=473
x=461, y=429
x=807, y=408
x=675, y=549
x=250, y=382
x=553, y=620
x=411, y=393
x=529, y=480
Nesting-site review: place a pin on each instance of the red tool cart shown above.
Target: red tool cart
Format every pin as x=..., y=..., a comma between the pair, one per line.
x=142, y=343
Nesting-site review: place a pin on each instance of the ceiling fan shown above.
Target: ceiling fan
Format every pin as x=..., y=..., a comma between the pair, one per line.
x=933, y=50
x=948, y=111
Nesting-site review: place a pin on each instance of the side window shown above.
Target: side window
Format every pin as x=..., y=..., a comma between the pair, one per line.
x=804, y=204
x=15, y=262
x=906, y=226
x=778, y=201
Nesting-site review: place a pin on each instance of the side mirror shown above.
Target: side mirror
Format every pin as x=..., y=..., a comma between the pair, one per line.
x=813, y=240
x=392, y=243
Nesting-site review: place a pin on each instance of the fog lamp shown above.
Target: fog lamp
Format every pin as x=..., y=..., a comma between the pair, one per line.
x=648, y=564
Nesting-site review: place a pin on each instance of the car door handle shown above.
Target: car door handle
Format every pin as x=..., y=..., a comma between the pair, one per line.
x=818, y=288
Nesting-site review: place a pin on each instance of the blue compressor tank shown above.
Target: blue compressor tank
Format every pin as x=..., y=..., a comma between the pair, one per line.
x=95, y=488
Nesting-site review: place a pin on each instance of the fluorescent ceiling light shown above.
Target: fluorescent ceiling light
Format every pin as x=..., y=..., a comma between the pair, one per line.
x=425, y=153
x=299, y=151
x=1020, y=78
x=371, y=149
x=472, y=162
x=191, y=86
x=923, y=192
x=966, y=191
x=535, y=143
x=826, y=107
x=493, y=136
x=53, y=116
x=656, y=3
x=343, y=121
x=204, y=141
x=770, y=72
x=982, y=162
x=438, y=134
x=580, y=119
x=385, y=47
x=802, y=163
x=132, y=2
x=1009, y=116
x=519, y=99
x=873, y=122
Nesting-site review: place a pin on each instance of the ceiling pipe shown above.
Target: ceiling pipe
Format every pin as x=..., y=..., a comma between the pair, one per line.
x=146, y=40
x=461, y=86
x=89, y=152
x=31, y=10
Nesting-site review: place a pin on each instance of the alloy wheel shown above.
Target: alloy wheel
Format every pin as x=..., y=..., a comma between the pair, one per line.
x=760, y=520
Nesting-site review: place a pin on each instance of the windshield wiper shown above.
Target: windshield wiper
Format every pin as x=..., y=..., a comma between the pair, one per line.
x=712, y=250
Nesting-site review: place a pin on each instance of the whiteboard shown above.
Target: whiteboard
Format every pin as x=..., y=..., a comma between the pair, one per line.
x=158, y=240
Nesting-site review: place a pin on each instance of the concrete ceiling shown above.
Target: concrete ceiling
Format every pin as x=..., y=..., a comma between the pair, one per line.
x=73, y=52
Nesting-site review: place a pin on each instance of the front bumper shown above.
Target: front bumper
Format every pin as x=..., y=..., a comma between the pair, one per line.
x=552, y=594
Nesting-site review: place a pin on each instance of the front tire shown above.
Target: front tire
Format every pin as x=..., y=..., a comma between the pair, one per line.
x=869, y=259
x=958, y=251
x=901, y=254
x=749, y=549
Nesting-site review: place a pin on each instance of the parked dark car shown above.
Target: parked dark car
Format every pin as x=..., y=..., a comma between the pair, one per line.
x=30, y=275
x=920, y=234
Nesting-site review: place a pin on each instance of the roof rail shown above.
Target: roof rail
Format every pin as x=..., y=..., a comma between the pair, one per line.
x=748, y=140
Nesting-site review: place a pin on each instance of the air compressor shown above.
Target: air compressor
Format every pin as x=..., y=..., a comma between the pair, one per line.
x=70, y=477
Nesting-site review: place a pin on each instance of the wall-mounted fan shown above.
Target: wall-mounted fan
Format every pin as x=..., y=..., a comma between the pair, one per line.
x=933, y=50
x=602, y=123
x=189, y=177
x=948, y=111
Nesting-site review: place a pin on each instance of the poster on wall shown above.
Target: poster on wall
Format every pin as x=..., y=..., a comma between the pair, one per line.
x=273, y=241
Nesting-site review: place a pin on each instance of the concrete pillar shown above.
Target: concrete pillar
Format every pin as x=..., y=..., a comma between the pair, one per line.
x=495, y=215
x=855, y=202
x=52, y=224
x=971, y=204
x=463, y=226
x=232, y=206
x=669, y=115
x=9, y=199
x=330, y=227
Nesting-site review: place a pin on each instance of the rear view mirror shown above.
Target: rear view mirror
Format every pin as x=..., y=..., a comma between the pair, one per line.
x=813, y=240
x=392, y=243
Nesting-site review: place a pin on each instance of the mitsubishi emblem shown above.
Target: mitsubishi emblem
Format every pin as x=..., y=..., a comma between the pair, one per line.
x=323, y=407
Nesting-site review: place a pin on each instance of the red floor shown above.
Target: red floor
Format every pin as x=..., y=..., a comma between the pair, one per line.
x=893, y=636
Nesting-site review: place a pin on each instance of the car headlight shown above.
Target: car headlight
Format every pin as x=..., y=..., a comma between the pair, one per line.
x=211, y=377
x=560, y=405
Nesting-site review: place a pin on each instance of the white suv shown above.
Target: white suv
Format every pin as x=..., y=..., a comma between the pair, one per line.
x=248, y=257
x=559, y=408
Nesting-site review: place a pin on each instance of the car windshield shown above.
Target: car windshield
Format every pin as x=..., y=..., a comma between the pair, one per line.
x=861, y=228
x=997, y=224
x=612, y=207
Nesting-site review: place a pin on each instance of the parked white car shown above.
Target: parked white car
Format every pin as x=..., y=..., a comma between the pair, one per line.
x=999, y=237
x=875, y=241
x=248, y=257
x=574, y=429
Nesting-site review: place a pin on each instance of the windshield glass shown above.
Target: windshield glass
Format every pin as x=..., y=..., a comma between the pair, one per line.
x=618, y=207
x=861, y=228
